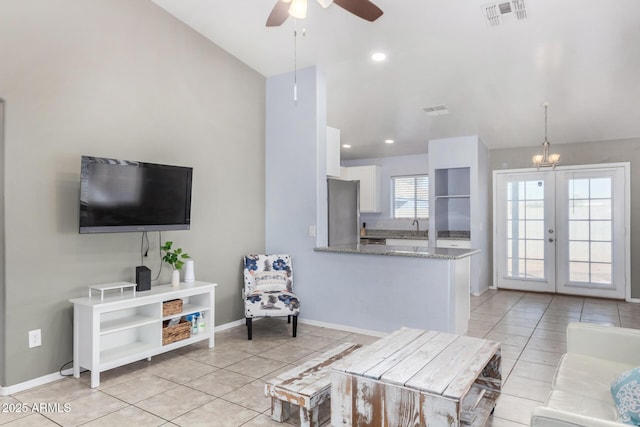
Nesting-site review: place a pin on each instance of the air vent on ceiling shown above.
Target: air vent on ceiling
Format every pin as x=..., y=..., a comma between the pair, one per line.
x=503, y=12
x=436, y=110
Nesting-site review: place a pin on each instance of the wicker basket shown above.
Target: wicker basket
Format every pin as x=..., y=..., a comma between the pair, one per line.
x=171, y=334
x=173, y=306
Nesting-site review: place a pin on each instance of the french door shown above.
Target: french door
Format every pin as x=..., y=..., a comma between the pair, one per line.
x=562, y=230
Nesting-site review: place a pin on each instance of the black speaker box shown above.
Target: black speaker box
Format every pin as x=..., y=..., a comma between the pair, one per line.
x=143, y=278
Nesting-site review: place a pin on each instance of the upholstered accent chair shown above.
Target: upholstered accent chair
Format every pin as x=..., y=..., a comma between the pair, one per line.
x=268, y=289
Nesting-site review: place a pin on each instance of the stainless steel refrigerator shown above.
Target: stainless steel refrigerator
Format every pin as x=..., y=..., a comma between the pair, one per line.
x=344, y=211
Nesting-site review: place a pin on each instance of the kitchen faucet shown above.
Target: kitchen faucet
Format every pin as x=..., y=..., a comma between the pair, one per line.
x=417, y=224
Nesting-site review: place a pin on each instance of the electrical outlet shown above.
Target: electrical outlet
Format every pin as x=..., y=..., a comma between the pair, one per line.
x=35, y=338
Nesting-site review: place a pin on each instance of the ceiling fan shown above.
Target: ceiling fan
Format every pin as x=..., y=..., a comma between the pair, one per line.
x=298, y=9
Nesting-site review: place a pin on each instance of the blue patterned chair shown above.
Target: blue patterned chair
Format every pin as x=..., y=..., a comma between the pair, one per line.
x=268, y=282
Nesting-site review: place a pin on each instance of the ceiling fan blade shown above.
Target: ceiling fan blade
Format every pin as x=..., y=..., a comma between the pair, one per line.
x=362, y=8
x=279, y=13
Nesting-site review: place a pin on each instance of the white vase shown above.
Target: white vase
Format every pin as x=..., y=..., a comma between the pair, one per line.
x=175, y=278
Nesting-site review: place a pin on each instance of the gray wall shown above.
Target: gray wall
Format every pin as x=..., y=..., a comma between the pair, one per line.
x=122, y=79
x=2, y=250
x=627, y=150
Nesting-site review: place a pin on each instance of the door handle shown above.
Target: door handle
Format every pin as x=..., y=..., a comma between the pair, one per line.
x=550, y=239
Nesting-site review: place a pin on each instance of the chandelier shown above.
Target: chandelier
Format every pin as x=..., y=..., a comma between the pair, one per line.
x=545, y=159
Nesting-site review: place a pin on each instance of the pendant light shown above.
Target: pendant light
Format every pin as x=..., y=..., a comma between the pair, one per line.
x=545, y=159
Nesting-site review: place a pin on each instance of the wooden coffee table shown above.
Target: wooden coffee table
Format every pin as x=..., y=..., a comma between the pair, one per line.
x=417, y=377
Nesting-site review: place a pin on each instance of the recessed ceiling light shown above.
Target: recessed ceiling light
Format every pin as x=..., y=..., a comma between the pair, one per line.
x=378, y=56
x=346, y=146
x=389, y=141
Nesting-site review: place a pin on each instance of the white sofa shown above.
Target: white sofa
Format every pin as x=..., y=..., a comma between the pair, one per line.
x=581, y=390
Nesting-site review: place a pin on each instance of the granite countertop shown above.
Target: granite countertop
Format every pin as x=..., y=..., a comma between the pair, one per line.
x=405, y=251
x=397, y=234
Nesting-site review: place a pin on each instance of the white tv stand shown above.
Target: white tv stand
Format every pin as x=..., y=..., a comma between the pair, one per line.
x=126, y=328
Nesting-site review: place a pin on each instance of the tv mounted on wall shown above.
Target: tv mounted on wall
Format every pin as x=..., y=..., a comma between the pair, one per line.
x=123, y=196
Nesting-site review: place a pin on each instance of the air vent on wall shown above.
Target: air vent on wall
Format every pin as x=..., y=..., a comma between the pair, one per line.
x=502, y=12
x=436, y=110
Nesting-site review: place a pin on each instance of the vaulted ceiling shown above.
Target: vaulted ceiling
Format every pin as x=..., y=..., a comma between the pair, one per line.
x=582, y=56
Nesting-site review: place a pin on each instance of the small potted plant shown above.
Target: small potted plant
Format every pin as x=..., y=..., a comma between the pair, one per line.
x=175, y=259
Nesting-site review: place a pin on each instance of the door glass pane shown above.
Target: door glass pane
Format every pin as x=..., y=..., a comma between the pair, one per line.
x=525, y=229
x=579, y=271
x=601, y=209
x=590, y=225
x=578, y=251
x=578, y=230
x=578, y=209
x=601, y=230
x=535, y=229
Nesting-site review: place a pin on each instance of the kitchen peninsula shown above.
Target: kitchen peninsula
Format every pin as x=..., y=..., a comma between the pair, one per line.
x=395, y=286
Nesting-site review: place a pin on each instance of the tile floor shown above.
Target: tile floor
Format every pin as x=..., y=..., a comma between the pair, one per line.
x=224, y=386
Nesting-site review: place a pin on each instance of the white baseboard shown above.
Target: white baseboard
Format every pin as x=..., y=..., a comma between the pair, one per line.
x=229, y=325
x=342, y=327
x=17, y=388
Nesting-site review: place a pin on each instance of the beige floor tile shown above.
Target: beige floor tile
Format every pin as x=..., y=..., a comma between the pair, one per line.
x=311, y=342
x=129, y=415
x=538, y=356
x=552, y=326
x=565, y=314
x=86, y=409
x=507, y=365
x=527, y=388
x=256, y=366
x=536, y=371
x=12, y=409
x=510, y=352
x=61, y=391
x=333, y=334
x=219, y=356
x=499, y=422
x=30, y=420
x=137, y=389
x=547, y=345
x=250, y=396
x=513, y=321
x=549, y=335
x=491, y=318
x=514, y=330
x=220, y=382
x=508, y=339
x=516, y=409
x=181, y=370
x=175, y=402
x=287, y=353
x=598, y=317
x=218, y=412
x=262, y=420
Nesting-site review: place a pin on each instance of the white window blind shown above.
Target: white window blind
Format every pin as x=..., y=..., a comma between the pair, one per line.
x=410, y=196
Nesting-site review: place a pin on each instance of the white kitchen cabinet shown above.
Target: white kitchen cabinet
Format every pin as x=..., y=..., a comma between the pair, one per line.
x=123, y=329
x=333, y=152
x=370, y=186
x=408, y=242
x=453, y=244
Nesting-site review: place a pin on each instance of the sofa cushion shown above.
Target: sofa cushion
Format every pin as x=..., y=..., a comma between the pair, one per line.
x=626, y=395
x=571, y=402
x=587, y=376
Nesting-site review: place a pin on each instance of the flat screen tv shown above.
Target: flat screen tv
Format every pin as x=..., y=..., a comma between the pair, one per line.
x=123, y=196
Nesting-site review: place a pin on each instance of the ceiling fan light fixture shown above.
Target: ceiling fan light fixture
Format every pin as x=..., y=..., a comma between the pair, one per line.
x=325, y=3
x=379, y=56
x=298, y=9
x=389, y=141
x=346, y=146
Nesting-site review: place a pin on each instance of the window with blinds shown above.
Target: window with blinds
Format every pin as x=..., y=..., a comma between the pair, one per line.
x=410, y=196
